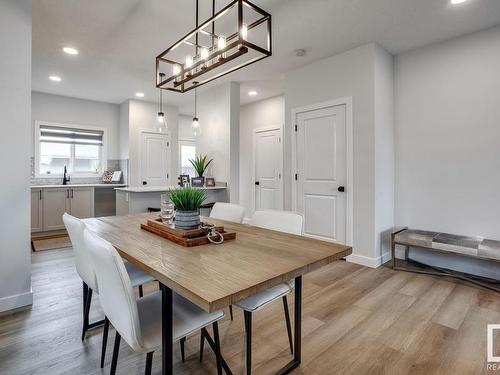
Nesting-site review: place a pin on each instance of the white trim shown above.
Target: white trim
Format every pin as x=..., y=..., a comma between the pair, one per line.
x=16, y=301
x=263, y=130
x=349, y=158
x=369, y=262
x=169, y=156
x=36, y=153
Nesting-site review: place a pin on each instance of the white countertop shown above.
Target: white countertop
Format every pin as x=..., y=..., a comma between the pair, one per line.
x=77, y=186
x=159, y=189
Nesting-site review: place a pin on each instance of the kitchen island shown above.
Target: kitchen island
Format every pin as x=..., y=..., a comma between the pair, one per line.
x=130, y=200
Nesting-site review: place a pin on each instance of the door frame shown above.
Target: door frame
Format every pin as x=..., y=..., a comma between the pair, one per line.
x=169, y=155
x=254, y=135
x=347, y=102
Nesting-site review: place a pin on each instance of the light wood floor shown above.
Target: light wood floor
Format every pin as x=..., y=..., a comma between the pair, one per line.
x=356, y=320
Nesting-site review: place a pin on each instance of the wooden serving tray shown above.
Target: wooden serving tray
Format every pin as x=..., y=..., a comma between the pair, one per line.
x=188, y=238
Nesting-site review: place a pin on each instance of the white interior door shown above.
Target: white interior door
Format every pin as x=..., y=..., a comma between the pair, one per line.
x=268, y=169
x=154, y=163
x=321, y=172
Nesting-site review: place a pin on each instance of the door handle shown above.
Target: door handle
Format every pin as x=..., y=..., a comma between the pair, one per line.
x=257, y=183
x=341, y=189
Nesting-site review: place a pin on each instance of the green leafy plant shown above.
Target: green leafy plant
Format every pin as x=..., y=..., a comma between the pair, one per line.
x=200, y=164
x=187, y=199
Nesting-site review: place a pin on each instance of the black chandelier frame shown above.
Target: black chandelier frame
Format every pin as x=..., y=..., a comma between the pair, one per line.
x=236, y=46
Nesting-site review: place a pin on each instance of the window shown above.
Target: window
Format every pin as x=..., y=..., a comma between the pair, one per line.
x=187, y=150
x=79, y=149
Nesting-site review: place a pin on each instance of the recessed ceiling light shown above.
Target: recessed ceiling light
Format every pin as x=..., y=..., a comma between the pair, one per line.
x=456, y=2
x=55, y=78
x=300, y=52
x=252, y=93
x=139, y=94
x=70, y=50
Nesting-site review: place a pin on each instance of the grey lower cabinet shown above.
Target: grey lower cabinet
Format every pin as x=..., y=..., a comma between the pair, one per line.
x=47, y=215
x=36, y=210
x=55, y=204
x=82, y=202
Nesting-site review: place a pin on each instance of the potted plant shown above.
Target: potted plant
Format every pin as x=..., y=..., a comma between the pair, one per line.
x=200, y=165
x=187, y=202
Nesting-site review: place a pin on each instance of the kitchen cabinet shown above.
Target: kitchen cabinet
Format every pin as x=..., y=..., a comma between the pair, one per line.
x=36, y=210
x=82, y=202
x=55, y=203
x=49, y=204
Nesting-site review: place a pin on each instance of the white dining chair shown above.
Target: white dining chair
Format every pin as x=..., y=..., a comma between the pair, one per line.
x=282, y=221
x=228, y=212
x=85, y=269
x=139, y=321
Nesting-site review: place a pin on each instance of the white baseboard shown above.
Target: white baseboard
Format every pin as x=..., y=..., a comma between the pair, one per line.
x=246, y=220
x=369, y=262
x=16, y=301
x=386, y=257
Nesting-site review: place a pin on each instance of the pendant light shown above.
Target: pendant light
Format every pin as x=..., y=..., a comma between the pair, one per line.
x=241, y=44
x=196, y=123
x=161, y=115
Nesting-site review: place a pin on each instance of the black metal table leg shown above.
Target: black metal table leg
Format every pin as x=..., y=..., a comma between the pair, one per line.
x=297, y=330
x=211, y=343
x=167, y=330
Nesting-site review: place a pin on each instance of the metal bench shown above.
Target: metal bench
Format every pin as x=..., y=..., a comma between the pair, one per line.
x=473, y=247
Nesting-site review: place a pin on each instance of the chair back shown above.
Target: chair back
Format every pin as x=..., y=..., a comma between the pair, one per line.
x=83, y=262
x=116, y=294
x=228, y=211
x=281, y=221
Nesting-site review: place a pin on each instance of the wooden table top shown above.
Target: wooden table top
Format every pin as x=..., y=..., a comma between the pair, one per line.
x=216, y=276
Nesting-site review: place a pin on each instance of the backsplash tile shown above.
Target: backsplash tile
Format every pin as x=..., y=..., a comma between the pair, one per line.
x=113, y=165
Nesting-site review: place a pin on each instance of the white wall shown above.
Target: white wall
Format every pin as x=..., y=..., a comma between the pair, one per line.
x=218, y=112
x=350, y=74
x=15, y=150
x=262, y=114
x=143, y=116
x=185, y=128
x=448, y=136
x=384, y=151
x=123, y=130
x=63, y=109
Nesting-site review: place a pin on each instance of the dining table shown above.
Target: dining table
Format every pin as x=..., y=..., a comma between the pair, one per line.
x=217, y=276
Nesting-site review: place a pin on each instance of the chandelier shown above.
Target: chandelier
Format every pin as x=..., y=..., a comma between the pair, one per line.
x=236, y=36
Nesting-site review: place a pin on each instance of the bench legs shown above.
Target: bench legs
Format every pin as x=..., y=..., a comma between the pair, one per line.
x=435, y=271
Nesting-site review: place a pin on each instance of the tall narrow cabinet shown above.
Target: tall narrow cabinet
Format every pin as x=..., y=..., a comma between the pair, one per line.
x=36, y=210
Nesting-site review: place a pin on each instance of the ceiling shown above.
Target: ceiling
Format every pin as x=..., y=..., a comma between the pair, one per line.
x=119, y=39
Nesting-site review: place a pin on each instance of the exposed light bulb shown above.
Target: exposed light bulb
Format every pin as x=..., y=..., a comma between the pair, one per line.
x=189, y=61
x=221, y=42
x=221, y=45
x=176, y=69
x=244, y=31
x=161, y=117
x=204, y=53
x=456, y=2
x=55, y=78
x=196, y=127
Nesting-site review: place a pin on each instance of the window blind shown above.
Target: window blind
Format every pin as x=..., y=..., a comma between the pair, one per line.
x=56, y=134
